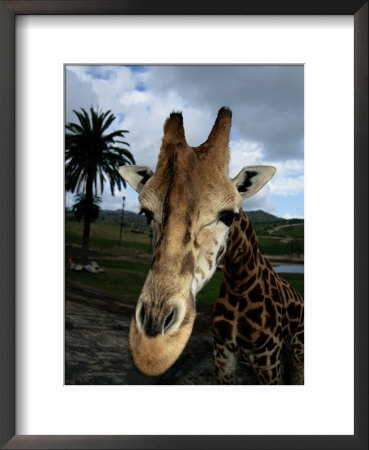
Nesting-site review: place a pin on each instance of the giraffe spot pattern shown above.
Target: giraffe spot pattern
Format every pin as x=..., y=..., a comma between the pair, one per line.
x=187, y=237
x=221, y=310
x=233, y=299
x=255, y=315
x=271, y=320
x=245, y=328
x=245, y=286
x=187, y=264
x=241, y=304
x=264, y=308
x=223, y=328
x=219, y=255
x=255, y=295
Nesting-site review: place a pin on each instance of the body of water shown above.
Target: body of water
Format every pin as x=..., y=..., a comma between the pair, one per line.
x=289, y=268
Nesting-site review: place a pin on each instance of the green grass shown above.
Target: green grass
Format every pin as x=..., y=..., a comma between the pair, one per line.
x=126, y=266
x=107, y=235
x=295, y=231
x=129, y=279
x=209, y=293
x=296, y=280
x=273, y=246
x=113, y=281
x=126, y=278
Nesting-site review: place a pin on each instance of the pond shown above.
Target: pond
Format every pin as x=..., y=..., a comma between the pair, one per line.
x=289, y=268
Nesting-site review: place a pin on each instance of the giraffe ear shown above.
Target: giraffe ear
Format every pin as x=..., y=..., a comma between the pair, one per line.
x=136, y=176
x=252, y=178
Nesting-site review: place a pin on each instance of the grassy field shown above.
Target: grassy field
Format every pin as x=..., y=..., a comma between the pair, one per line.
x=294, y=231
x=271, y=246
x=119, y=277
x=126, y=266
x=107, y=236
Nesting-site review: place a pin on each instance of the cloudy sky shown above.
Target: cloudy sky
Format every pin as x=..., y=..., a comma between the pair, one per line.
x=267, y=123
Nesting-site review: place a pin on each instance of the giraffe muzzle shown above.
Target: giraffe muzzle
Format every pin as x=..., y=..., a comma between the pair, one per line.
x=152, y=325
x=158, y=336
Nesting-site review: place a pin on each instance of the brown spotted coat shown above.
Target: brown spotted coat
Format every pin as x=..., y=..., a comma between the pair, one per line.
x=257, y=314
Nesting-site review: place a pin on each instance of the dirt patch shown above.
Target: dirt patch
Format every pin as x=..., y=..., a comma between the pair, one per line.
x=96, y=344
x=291, y=258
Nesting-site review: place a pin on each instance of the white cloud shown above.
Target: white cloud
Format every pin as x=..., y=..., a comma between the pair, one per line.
x=108, y=83
x=288, y=186
x=263, y=132
x=132, y=98
x=267, y=101
x=81, y=96
x=244, y=153
x=261, y=200
x=289, y=178
x=290, y=167
x=293, y=216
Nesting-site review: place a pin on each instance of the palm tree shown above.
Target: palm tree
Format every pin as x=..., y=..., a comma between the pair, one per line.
x=91, y=155
x=81, y=206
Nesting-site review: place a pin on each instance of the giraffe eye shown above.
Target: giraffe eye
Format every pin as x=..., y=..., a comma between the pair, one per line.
x=148, y=214
x=227, y=217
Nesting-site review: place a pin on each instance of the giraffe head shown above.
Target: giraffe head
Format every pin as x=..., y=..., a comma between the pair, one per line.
x=191, y=202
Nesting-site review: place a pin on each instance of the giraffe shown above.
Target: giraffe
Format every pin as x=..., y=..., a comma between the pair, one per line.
x=195, y=212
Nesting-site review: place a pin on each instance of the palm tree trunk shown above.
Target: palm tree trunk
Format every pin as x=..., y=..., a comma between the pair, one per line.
x=86, y=241
x=87, y=222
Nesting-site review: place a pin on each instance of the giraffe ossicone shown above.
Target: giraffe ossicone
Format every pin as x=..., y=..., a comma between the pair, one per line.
x=194, y=207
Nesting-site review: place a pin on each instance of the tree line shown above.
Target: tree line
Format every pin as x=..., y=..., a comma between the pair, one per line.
x=93, y=155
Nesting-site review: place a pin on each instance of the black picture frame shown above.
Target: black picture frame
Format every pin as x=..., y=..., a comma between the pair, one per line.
x=8, y=11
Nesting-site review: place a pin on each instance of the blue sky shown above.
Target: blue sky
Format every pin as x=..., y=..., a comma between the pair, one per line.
x=267, y=125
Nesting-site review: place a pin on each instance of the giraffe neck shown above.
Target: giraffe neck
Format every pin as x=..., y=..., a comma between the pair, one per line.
x=243, y=257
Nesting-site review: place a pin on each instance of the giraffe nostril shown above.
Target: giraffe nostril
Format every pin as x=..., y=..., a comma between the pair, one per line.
x=141, y=315
x=169, y=319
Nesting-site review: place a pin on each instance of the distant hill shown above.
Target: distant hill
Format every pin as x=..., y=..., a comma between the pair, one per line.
x=131, y=219
x=255, y=216
x=260, y=216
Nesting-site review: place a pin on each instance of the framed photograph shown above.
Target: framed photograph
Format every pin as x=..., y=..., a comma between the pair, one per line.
x=62, y=56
